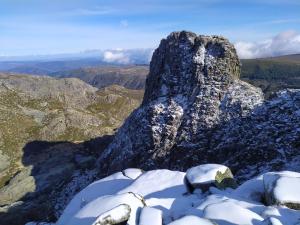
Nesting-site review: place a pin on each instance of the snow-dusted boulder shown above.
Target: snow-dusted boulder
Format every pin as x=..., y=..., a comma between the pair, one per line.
x=117, y=215
x=106, y=186
x=207, y=175
x=227, y=212
x=158, y=184
x=282, y=188
x=88, y=214
x=192, y=220
x=150, y=216
x=174, y=207
x=160, y=197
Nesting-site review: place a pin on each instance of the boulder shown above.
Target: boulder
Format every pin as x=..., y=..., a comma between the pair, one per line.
x=151, y=216
x=193, y=87
x=196, y=110
x=207, y=175
x=107, y=186
x=91, y=211
x=282, y=188
x=117, y=215
x=232, y=213
x=158, y=184
x=192, y=220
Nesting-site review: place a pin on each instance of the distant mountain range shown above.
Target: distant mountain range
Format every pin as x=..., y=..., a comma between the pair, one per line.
x=270, y=74
x=47, y=64
x=132, y=77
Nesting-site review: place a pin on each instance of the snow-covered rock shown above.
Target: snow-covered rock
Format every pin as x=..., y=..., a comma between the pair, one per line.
x=107, y=186
x=226, y=212
x=283, y=188
x=171, y=184
x=117, y=215
x=192, y=220
x=150, y=216
x=89, y=213
x=193, y=87
x=204, y=176
x=159, y=197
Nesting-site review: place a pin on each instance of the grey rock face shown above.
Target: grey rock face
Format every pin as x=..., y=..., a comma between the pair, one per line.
x=268, y=139
x=193, y=88
x=196, y=110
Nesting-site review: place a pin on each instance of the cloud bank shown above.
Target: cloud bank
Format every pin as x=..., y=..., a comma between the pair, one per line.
x=284, y=43
x=127, y=56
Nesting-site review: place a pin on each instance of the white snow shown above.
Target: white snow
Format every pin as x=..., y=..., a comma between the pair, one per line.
x=285, y=215
x=287, y=190
x=116, y=215
x=150, y=216
x=158, y=184
x=226, y=212
x=252, y=189
x=191, y=220
x=107, y=186
x=160, y=197
x=204, y=174
x=88, y=214
x=282, y=187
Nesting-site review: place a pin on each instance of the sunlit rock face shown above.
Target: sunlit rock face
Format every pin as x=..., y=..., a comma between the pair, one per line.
x=193, y=109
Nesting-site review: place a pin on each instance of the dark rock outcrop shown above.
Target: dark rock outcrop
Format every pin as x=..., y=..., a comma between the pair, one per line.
x=196, y=110
x=192, y=91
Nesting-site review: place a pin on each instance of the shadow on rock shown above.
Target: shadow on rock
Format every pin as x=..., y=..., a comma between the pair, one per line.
x=48, y=166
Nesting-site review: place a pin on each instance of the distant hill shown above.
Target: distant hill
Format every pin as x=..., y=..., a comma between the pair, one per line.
x=132, y=77
x=48, y=67
x=272, y=74
x=47, y=129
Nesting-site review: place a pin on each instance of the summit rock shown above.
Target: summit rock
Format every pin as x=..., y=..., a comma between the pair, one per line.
x=192, y=90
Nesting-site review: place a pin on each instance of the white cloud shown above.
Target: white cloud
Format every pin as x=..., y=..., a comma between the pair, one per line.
x=115, y=57
x=284, y=43
x=128, y=56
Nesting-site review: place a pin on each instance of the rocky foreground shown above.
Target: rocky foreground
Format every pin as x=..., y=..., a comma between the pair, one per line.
x=204, y=195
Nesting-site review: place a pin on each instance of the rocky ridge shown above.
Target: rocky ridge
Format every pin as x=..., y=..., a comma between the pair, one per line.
x=196, y=110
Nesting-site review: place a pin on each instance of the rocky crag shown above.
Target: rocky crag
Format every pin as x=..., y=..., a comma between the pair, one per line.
x=197, y=110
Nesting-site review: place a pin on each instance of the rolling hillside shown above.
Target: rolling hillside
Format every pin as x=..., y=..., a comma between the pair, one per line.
x=48, y=128
x=272, y=74
x=132, y=77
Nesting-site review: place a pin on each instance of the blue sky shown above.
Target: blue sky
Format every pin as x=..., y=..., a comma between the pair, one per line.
x=59, y=26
